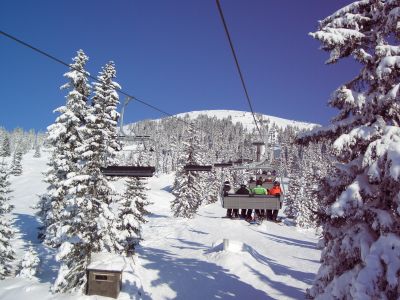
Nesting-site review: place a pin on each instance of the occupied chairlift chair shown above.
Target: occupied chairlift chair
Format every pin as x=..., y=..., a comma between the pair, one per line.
x=129, y=171
x=251, y=201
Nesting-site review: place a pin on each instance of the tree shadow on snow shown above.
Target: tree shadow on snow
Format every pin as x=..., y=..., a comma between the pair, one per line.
x=290, y=241
x=310, y=260
x=49, y=267
x=210, y=217
x=278, y=268
x=27, y=226
x=155, y=216
x=286, y=290
x=189, y=245
x=197, y=231
x=194, y=279
x=130, y=289
x=167, y=188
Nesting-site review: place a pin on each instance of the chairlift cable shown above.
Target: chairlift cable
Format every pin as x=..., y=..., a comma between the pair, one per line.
x=52, y=57
x=237, y=65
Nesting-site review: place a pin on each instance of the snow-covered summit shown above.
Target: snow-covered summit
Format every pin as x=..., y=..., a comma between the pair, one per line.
x=246, y=118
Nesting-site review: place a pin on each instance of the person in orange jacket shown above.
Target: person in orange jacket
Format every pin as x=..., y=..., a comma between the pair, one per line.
x=274, y=191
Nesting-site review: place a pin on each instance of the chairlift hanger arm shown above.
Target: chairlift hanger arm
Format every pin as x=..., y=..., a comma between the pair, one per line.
x=121, y=124
x=123, y=134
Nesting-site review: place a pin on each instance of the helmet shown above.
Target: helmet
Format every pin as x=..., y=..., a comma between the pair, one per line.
x=276, y=183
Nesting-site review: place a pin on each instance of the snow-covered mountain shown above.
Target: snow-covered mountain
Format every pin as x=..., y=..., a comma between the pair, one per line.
x=246, y=118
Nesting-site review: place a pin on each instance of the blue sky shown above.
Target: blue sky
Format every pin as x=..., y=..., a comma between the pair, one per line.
x=172, y=54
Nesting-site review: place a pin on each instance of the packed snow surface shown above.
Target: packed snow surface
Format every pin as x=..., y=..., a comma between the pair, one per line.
x=206, y=257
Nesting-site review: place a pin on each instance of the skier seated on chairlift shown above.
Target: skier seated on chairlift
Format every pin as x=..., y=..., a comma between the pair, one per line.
x=274, y=191
x=242, y=191
x=269, y=177
x=258, y=213
x=227, y=189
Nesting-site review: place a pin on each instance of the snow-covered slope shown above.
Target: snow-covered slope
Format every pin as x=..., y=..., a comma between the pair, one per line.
x=179, y=258
x=246, y=118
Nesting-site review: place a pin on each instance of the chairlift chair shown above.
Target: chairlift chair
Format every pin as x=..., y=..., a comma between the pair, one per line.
x=129, y=171
x=201, y=168
x=234, y=201
x=223, y=165
x=136, y=138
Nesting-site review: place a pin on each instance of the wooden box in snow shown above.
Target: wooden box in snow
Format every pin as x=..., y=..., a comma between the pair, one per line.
x=104, y=275
x=251, y=201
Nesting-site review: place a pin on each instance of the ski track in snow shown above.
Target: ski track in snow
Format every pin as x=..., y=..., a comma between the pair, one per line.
x=179, y=258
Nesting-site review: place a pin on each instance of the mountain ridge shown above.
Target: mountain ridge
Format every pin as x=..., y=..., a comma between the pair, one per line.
x=246, y=118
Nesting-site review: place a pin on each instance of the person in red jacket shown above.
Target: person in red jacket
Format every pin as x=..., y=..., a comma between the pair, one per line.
x=274, y=191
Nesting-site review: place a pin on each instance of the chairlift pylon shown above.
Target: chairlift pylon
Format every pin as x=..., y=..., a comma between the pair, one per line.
x=259, y=146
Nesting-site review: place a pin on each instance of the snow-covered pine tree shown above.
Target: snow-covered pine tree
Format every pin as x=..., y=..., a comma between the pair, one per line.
x=213, y=187
x=104, y=109
x=188, y=189
x=6, y=233
x=360, y=211
x=294, y=194
x=16, y=164
x=293, y=167
x=90, y=194
x=5, y=149
x=60, y=203
x=306, y=201
x=144, y=157
x=132, y=212
x=64, y=137
x=29, y=264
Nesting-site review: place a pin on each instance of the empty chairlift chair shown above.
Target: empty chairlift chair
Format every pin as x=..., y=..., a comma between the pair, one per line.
x=128, y=171
x=201, y=168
